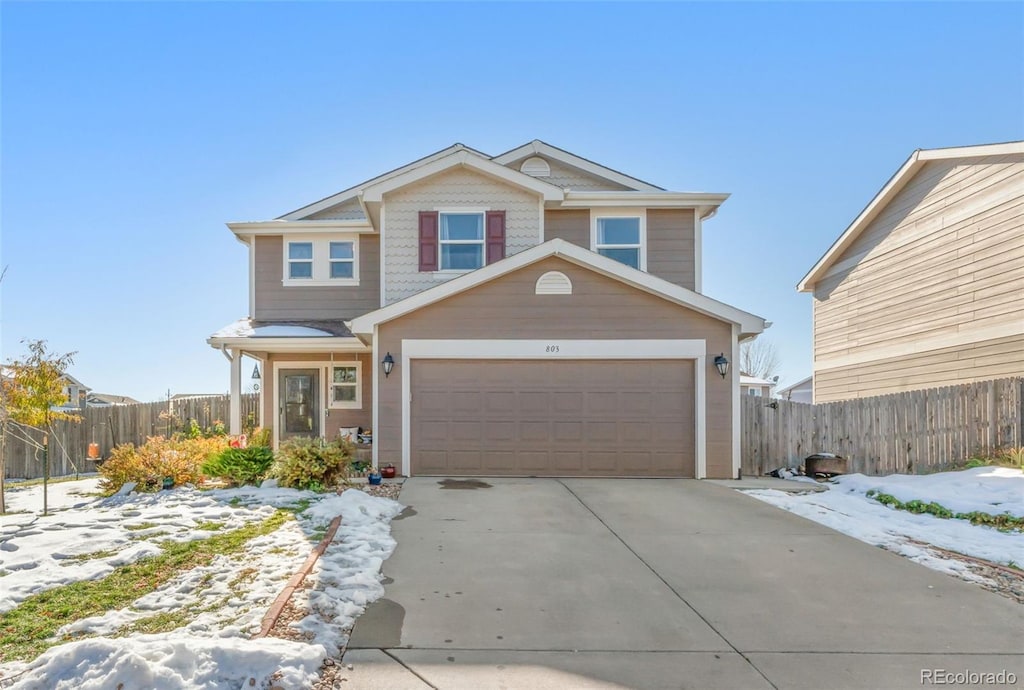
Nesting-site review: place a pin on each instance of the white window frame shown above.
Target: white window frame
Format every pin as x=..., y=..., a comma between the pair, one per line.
x=474, y=211
x=288, y=260
x=639, y=213
x=321, y=260
x=345, y=404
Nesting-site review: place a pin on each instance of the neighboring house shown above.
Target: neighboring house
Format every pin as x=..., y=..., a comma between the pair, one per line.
x=802, y=391
x=77, y=393
x=753, y=385
x=108, y=400
x=533, y=313
x=926, y=286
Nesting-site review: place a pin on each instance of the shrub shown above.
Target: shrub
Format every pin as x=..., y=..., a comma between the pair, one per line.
x=260, y=437
x=312, y=464
x=158, y=457
x=1015, y=456
x=240, y=465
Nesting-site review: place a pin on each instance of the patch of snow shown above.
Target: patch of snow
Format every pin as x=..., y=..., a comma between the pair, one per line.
x=60, y=495
x=845, y=508
x=172, y=662
x=992, y=490
x=279, y=331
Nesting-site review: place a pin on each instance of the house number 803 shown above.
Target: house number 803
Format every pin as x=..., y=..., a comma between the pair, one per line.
x=551, y=348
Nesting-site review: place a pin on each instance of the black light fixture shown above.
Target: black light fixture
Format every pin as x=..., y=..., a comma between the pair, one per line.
x=388, y=363
x=722, y=364
x=255, y=371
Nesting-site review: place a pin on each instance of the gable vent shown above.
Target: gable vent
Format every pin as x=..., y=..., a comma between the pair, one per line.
x=554, y=283
x=536, y=167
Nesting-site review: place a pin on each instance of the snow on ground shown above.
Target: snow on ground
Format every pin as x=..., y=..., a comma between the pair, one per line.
x=222, y=603
x=60, y=495
x=846, y=508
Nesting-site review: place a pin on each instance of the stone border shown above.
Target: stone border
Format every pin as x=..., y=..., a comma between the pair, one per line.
x=295, y=581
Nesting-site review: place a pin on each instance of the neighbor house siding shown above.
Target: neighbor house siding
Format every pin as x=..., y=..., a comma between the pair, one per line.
x=599, y=308
x=457, y=188
x=275, y=301
x=935, y=279
x=336, y=419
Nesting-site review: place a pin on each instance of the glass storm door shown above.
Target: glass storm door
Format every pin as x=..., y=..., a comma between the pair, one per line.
x=299, y=399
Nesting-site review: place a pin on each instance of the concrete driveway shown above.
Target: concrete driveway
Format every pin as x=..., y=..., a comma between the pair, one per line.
x=545, y=583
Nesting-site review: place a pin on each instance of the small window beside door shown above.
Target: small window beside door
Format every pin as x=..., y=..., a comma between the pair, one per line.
x=345, y=385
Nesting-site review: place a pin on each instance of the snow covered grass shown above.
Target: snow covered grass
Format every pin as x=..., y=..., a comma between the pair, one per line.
x=180, y=614
x=847, y=508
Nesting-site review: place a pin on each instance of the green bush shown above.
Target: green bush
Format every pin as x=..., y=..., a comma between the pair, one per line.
x=240, y=465
x=312, y=464
x=178, y=458
x=260, y=436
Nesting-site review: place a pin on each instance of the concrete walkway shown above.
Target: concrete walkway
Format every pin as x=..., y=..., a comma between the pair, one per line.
x=593, y=583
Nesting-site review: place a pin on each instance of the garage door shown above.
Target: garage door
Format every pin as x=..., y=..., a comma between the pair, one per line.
x=552, y=418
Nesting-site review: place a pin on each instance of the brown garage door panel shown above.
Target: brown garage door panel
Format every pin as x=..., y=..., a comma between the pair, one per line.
x=552, y=418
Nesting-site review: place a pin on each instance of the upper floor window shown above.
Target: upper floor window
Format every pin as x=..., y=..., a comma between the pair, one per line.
x=320, y=261
x=621, y=238
x=461, y=241
x=300, y=260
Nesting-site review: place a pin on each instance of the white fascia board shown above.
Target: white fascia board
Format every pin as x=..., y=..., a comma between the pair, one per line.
x=646, y=199
x=888, y=191
x=972, y=151
x=285, y=227
x=749, y=323
x=352, y=192
x=891, y=188
x=335, y=344
x=539, y=147
x=376, y=192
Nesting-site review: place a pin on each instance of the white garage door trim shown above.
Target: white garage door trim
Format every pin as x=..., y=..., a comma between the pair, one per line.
x=557, y=349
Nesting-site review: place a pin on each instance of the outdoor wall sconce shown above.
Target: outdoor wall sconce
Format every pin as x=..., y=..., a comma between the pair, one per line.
x=722, y=364
x=387, y=364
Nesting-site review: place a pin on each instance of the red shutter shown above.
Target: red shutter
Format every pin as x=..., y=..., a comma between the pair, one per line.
x=495, y=236
x=428, y=240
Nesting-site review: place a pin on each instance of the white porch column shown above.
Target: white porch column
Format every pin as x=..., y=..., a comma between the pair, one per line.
x=235, y=425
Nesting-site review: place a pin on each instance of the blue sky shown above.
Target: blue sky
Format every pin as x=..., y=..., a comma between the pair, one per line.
x=131, y=132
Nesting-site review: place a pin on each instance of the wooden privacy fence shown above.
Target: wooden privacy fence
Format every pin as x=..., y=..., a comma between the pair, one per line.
x=911, y=432
x=111, y=426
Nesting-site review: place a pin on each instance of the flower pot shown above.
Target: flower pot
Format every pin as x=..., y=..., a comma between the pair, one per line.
x=168, y=483
x=375, y=479
x=388, y=472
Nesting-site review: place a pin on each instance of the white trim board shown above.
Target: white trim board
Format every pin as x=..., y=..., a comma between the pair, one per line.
x=695, y=350
x=540, y=148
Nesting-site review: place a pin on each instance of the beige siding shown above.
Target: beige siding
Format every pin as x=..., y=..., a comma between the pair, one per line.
x=346, y=210
x=453, y=189
x=569, y=177
x=571, y=226
x=670, y=247
x=936, y=277
x=336, y=419
x=277, y=301
x=599, y=308
x=989, y=359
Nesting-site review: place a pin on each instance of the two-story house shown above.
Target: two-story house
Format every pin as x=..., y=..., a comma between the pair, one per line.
x=532, y=313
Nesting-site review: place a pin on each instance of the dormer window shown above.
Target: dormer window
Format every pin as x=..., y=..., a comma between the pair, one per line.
x=621, y=237
x=328, y=260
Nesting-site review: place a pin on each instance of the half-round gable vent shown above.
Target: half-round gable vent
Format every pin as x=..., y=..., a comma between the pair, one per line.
x=554, y=283
x=537, y=167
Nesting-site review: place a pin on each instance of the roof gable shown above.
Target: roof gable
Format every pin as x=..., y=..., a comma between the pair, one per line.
x=749, y=323
x=913, y=165
x=540, y=148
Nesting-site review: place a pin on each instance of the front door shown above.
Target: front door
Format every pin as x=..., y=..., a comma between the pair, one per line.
x=299, y=400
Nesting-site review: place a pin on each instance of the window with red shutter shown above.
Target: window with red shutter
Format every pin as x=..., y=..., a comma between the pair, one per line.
x=428, y=240
x=495, y=236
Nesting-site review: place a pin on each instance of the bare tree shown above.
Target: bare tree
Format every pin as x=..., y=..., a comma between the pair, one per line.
x=758, y=357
